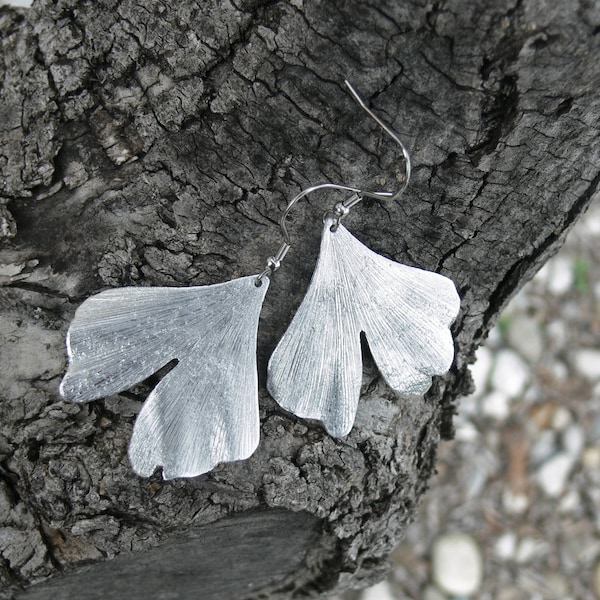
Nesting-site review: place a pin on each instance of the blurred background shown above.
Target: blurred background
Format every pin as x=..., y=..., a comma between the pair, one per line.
x=514, y=510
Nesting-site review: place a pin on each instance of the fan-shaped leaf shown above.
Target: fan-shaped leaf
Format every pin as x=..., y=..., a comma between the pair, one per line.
x=205, y=410
x=405, y=313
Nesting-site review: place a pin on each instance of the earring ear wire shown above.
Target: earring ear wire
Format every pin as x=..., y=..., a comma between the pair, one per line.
x=393, y=196
x=341, y=209
x=405, y=313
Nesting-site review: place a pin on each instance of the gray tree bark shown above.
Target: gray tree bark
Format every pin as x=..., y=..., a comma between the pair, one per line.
x=148, y=143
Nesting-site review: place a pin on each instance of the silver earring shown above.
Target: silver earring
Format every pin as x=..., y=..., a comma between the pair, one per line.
x=205, y=410
x=405, y=313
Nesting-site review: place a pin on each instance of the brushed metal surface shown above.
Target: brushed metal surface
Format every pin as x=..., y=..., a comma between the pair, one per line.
x=315, y=371
x=205, y=410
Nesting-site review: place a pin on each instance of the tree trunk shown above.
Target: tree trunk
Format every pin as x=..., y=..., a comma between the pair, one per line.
x=148, y=143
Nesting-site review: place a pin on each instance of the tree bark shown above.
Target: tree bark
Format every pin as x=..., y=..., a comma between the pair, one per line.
x=144, y=143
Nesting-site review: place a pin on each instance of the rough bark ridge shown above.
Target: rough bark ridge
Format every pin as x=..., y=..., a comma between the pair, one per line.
x=144, y=143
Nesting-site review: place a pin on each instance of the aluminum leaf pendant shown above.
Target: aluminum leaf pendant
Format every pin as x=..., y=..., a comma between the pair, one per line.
x=205, y=410
x=405, y=313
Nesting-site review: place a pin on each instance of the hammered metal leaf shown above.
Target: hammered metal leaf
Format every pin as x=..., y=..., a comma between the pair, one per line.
x=205, y=410
x=405, y=313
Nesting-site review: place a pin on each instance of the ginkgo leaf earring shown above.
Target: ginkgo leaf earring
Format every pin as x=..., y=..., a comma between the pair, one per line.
x=205, y=410
x=316, y=369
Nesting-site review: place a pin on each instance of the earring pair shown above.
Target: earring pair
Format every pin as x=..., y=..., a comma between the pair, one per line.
x=205, y=410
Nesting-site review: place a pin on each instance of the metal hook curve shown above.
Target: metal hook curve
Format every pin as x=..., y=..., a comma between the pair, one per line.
x=342, y=208
x=395, y=137
x=381, y=195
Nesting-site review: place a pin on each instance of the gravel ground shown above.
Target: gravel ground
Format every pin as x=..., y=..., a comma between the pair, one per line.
x=514, y=511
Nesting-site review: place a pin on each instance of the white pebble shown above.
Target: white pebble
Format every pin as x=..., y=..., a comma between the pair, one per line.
x=573, y=439
x=381, y=591
x=525, y=337
x=496, y=405
x=560, y=275
x=552, y=476
x=590, y=223
x=587, y=363
x=591, y=457
x=457, y=564
x=465, y=431
x=559, y=370
x=506, y=546
x=570, y=502
x=510, y=374
x=526, y=550
x=561, y=419
x=480, y=370
x=514, y=503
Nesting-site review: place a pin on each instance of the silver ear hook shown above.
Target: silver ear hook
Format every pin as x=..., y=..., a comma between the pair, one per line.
x=341, y=209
